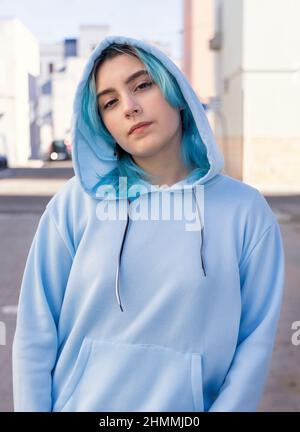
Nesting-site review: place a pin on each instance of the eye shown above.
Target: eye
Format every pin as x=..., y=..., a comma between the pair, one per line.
x=107, y=104
x=141, y=86
x=148, y=84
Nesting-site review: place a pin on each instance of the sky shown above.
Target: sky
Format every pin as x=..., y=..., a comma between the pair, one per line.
x=54, y=20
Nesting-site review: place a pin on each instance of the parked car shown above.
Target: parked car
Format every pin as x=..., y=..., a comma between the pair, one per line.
x=3, y=158
x=3, y=161
x=58, y=150
x=68, y=142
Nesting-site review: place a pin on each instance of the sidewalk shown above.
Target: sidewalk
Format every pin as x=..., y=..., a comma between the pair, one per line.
x=31, y=181
x=282, y=391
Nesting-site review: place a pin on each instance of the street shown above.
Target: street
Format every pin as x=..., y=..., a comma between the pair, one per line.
x=24, y=194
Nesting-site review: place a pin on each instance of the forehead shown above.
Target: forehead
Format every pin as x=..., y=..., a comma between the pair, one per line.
x=117, y=69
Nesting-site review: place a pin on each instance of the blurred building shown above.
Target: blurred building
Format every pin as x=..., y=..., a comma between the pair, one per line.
x=243, y=58
x=62, y=64
x=198, y=59
x=52, y=57
x=64, y=84
x=19, y=54
x=89, y=38
x=38, y=84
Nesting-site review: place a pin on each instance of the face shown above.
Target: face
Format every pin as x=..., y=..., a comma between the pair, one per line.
x=139, y=100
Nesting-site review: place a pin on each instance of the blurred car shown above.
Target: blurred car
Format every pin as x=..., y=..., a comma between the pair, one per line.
x=68, y=143
x=3, y=153
x=58, y=151
x=3, y=161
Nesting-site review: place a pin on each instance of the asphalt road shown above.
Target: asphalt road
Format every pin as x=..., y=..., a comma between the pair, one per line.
x=24, y=194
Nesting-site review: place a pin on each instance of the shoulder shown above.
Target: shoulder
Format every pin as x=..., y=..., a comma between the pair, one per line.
x=237, y=188
x=69, y=208
x=248, y=213
x=66, y=193
x=69, y=198
x=246, y=202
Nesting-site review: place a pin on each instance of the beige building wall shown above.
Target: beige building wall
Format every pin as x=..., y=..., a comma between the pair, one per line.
x=229, y=75
x=198, y=64
x=253, y=68
x=272, y=95
x=202, y=67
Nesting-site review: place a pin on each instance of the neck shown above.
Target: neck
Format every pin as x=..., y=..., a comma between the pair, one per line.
x=166, y=166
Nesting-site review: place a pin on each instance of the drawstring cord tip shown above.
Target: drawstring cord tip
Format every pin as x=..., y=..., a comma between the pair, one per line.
x=203, y=266
x=119, y=260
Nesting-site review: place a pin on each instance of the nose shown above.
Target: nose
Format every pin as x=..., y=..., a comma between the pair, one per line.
x=131, y=105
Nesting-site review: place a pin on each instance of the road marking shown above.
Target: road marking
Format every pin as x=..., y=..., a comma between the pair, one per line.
x=282, y=217
x=2, y=333
x=10, y=309
x=23, y=216
x=30, y=186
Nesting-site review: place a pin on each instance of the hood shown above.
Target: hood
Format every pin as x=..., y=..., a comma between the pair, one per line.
x=92, y=155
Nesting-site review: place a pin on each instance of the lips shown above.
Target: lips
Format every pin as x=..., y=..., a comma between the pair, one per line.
x=138, y=126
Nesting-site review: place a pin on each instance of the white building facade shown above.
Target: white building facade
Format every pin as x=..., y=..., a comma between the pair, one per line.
x=19, y=69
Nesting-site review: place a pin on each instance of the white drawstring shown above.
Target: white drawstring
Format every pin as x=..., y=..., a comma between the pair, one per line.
x=201, y=232
x=119, y=258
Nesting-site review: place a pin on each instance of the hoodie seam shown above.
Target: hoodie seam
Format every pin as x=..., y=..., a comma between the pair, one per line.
x=214, y=181
x=137, y=345
x=245, y=260
x=51, y=217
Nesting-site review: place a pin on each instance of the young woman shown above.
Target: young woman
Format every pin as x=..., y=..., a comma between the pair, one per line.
x=154, y=281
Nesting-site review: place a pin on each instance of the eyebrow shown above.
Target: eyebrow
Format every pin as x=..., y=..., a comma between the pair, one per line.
x=127, y=81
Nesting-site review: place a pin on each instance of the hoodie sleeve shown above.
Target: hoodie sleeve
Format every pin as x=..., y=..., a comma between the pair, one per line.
x=35, y=340
x=261, y=281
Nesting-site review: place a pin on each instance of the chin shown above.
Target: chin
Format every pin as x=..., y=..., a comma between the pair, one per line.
x=144, y=153
x=146, y=149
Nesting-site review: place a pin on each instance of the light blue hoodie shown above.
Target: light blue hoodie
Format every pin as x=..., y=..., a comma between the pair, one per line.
x=148, y=315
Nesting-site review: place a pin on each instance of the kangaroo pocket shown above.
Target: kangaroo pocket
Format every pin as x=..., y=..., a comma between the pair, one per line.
x=116, y=376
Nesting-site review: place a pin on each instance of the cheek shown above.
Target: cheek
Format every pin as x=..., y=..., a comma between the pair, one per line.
x=111, y=125
x=170, y=118
x=165, y=112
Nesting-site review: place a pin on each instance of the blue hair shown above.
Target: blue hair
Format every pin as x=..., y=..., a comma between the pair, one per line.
x=193, y=151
